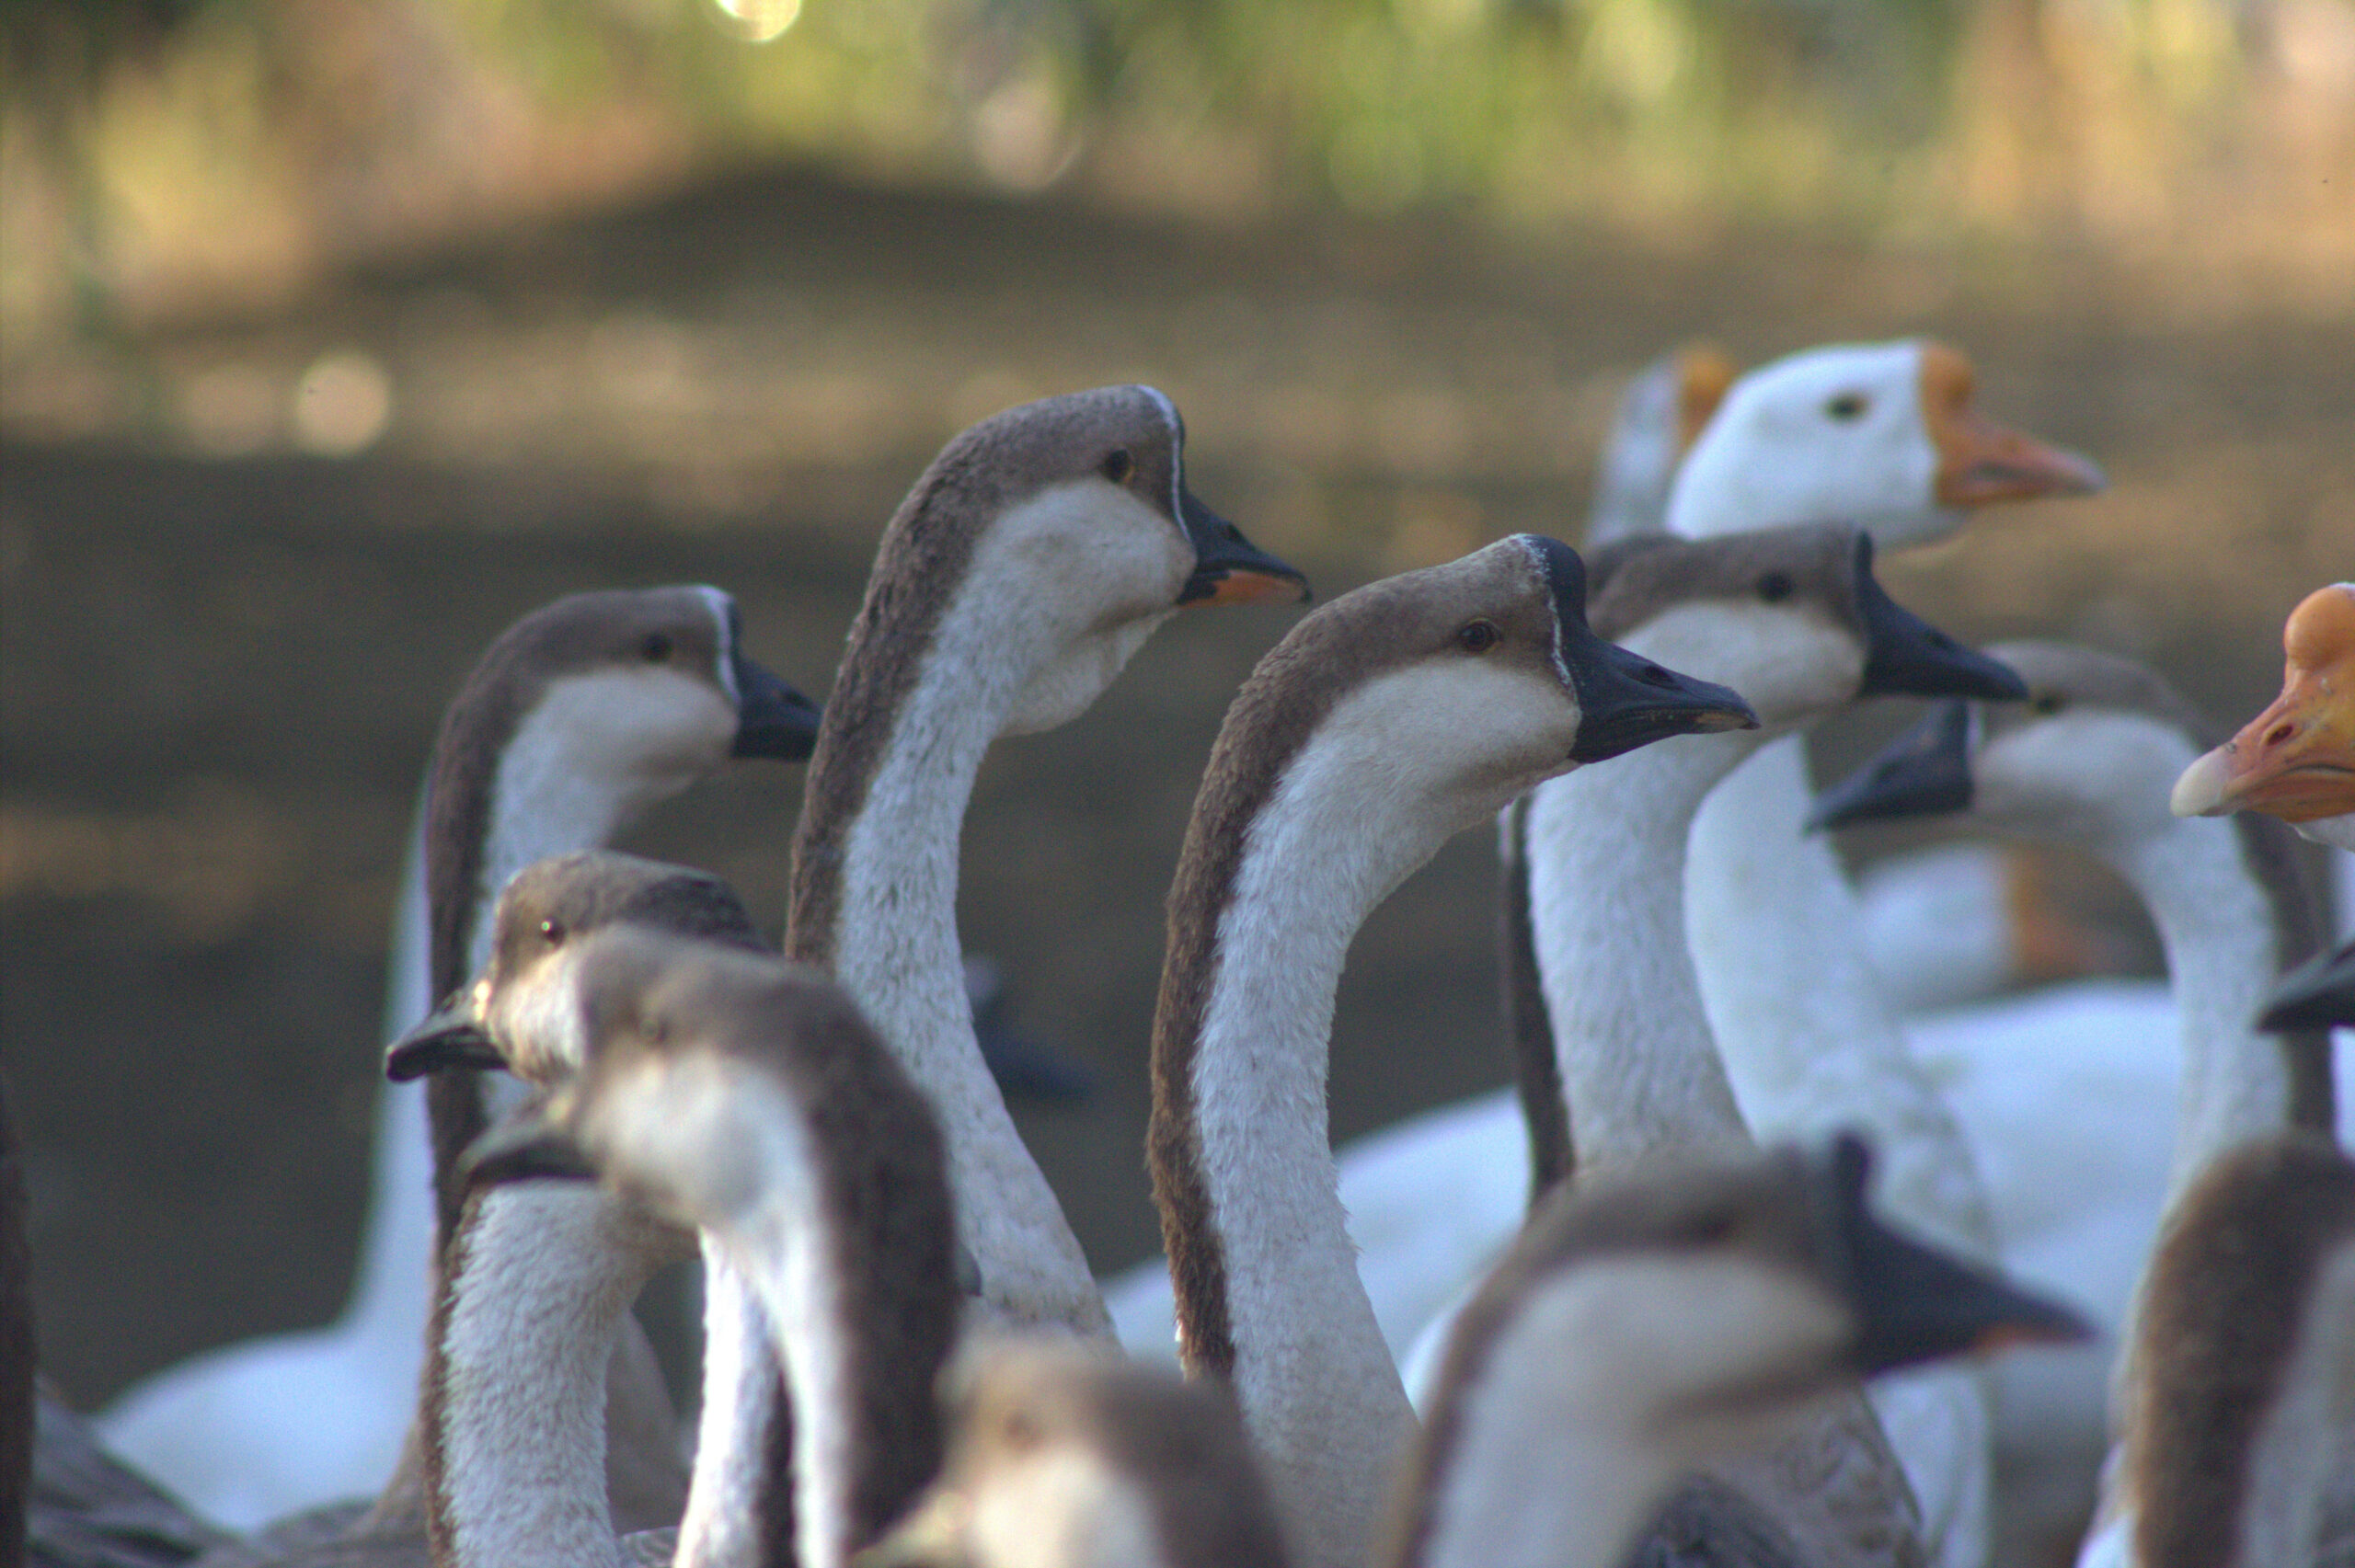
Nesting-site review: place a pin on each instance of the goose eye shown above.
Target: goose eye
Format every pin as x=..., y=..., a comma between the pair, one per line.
x=551, y=932
x=2047, y=703
x=1848, y=405
x=656, y=648
x=1120, y=466
x=1776, y=587
x=1476, y=637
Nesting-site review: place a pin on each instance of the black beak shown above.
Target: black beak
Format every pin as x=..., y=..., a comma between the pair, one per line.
x=448, y=1038
x=1625, y=700
x=1907, y=657
x=523, y=1148
x=772, y=718
x=1229, y=569
x=1926, y=771
x=2317, y=994
x=1915, y=1303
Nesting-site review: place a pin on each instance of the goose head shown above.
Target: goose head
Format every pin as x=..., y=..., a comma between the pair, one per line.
x=1076, y=509
x=1886, y=434
x=1677, y=1313
x=2296, y=760
x=1065, y=1458
x=641, y=691
x=1660, y=415
x=1792, y=617
x=1447, y=691
x=523, y=1012
x=2085, y=757
x=698, y=1064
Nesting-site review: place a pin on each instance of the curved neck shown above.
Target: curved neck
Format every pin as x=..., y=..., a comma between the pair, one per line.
x=1268, y=896
x=1607, y=863
x=2223, y=952
x=540, y=1279
x=2305, y=1444
x=1798, y=1014
x=874, y=898
x=391, y=1287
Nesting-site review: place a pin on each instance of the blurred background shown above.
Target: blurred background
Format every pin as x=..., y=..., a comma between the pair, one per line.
x=336, y=334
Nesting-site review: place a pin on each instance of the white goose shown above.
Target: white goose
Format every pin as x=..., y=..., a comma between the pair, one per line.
x=577, y=718
x=2088, y=762
x=1385, y=723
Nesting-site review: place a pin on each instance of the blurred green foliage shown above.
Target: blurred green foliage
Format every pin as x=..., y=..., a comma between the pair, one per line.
x=222, y=137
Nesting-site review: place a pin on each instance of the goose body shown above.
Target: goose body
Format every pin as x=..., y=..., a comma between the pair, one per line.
x=2089, y=762
x=1383, y=724
x=564, y=730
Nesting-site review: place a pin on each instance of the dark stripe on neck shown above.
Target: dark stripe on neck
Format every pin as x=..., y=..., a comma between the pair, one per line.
x=927, y=550
x=1270, y=721
x=2225, y=1301
x=884, y=1168
x=433, y=1391
x=1529, y=1030
x=2291, y=871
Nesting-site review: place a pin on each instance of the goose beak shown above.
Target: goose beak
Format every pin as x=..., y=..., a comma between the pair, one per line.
x=446, y=1039
x=1907, y=657
x=2317, y=994
x=1981, y=462
x=1926, y=771
x=1229, y=569
x=772, y=718
x=2296, y=760
x=524, y=1148
x=1915, y=1303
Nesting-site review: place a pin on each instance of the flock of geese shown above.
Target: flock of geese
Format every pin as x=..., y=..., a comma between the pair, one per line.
x=1711, y=1284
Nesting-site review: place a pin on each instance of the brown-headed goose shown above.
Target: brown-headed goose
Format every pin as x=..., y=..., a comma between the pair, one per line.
x=577, y=717
x=1649, y=1322
x=1620, y=1064
x=2087, y=762
x=539, y=1280
x=1030, y=562
x=2296, y=760
x=1384, y=723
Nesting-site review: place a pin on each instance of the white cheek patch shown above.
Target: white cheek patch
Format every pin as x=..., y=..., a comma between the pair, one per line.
x=1443, y=735
x=1791, y=665
x=639, y=733
x=536, y=1018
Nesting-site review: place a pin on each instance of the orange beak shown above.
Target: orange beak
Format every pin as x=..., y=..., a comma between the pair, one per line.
x=2296, y=760
x=1703, y=373
x=1243, y=585
x=1980, y=462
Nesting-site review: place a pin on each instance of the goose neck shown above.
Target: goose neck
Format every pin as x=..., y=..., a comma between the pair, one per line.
x=739, y=1512
x=874, y=900
x=2304, y=1442
x=1267, y=1290
x=1631, y=1039
x=539, y=1278
x=2224, y=950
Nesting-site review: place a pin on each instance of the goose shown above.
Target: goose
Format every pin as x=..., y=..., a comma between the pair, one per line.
x=539, y=1280
x=2088, y=762
x=1027, y=565
x=1654, y=1320
x=1795, y=618
x=577, y=717
x=2296, y=760
x=1383, y=724
x=1660, y=414
x=748, y=1098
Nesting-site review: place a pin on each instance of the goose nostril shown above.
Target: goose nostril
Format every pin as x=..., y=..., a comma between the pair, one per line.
x=2281, y=733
